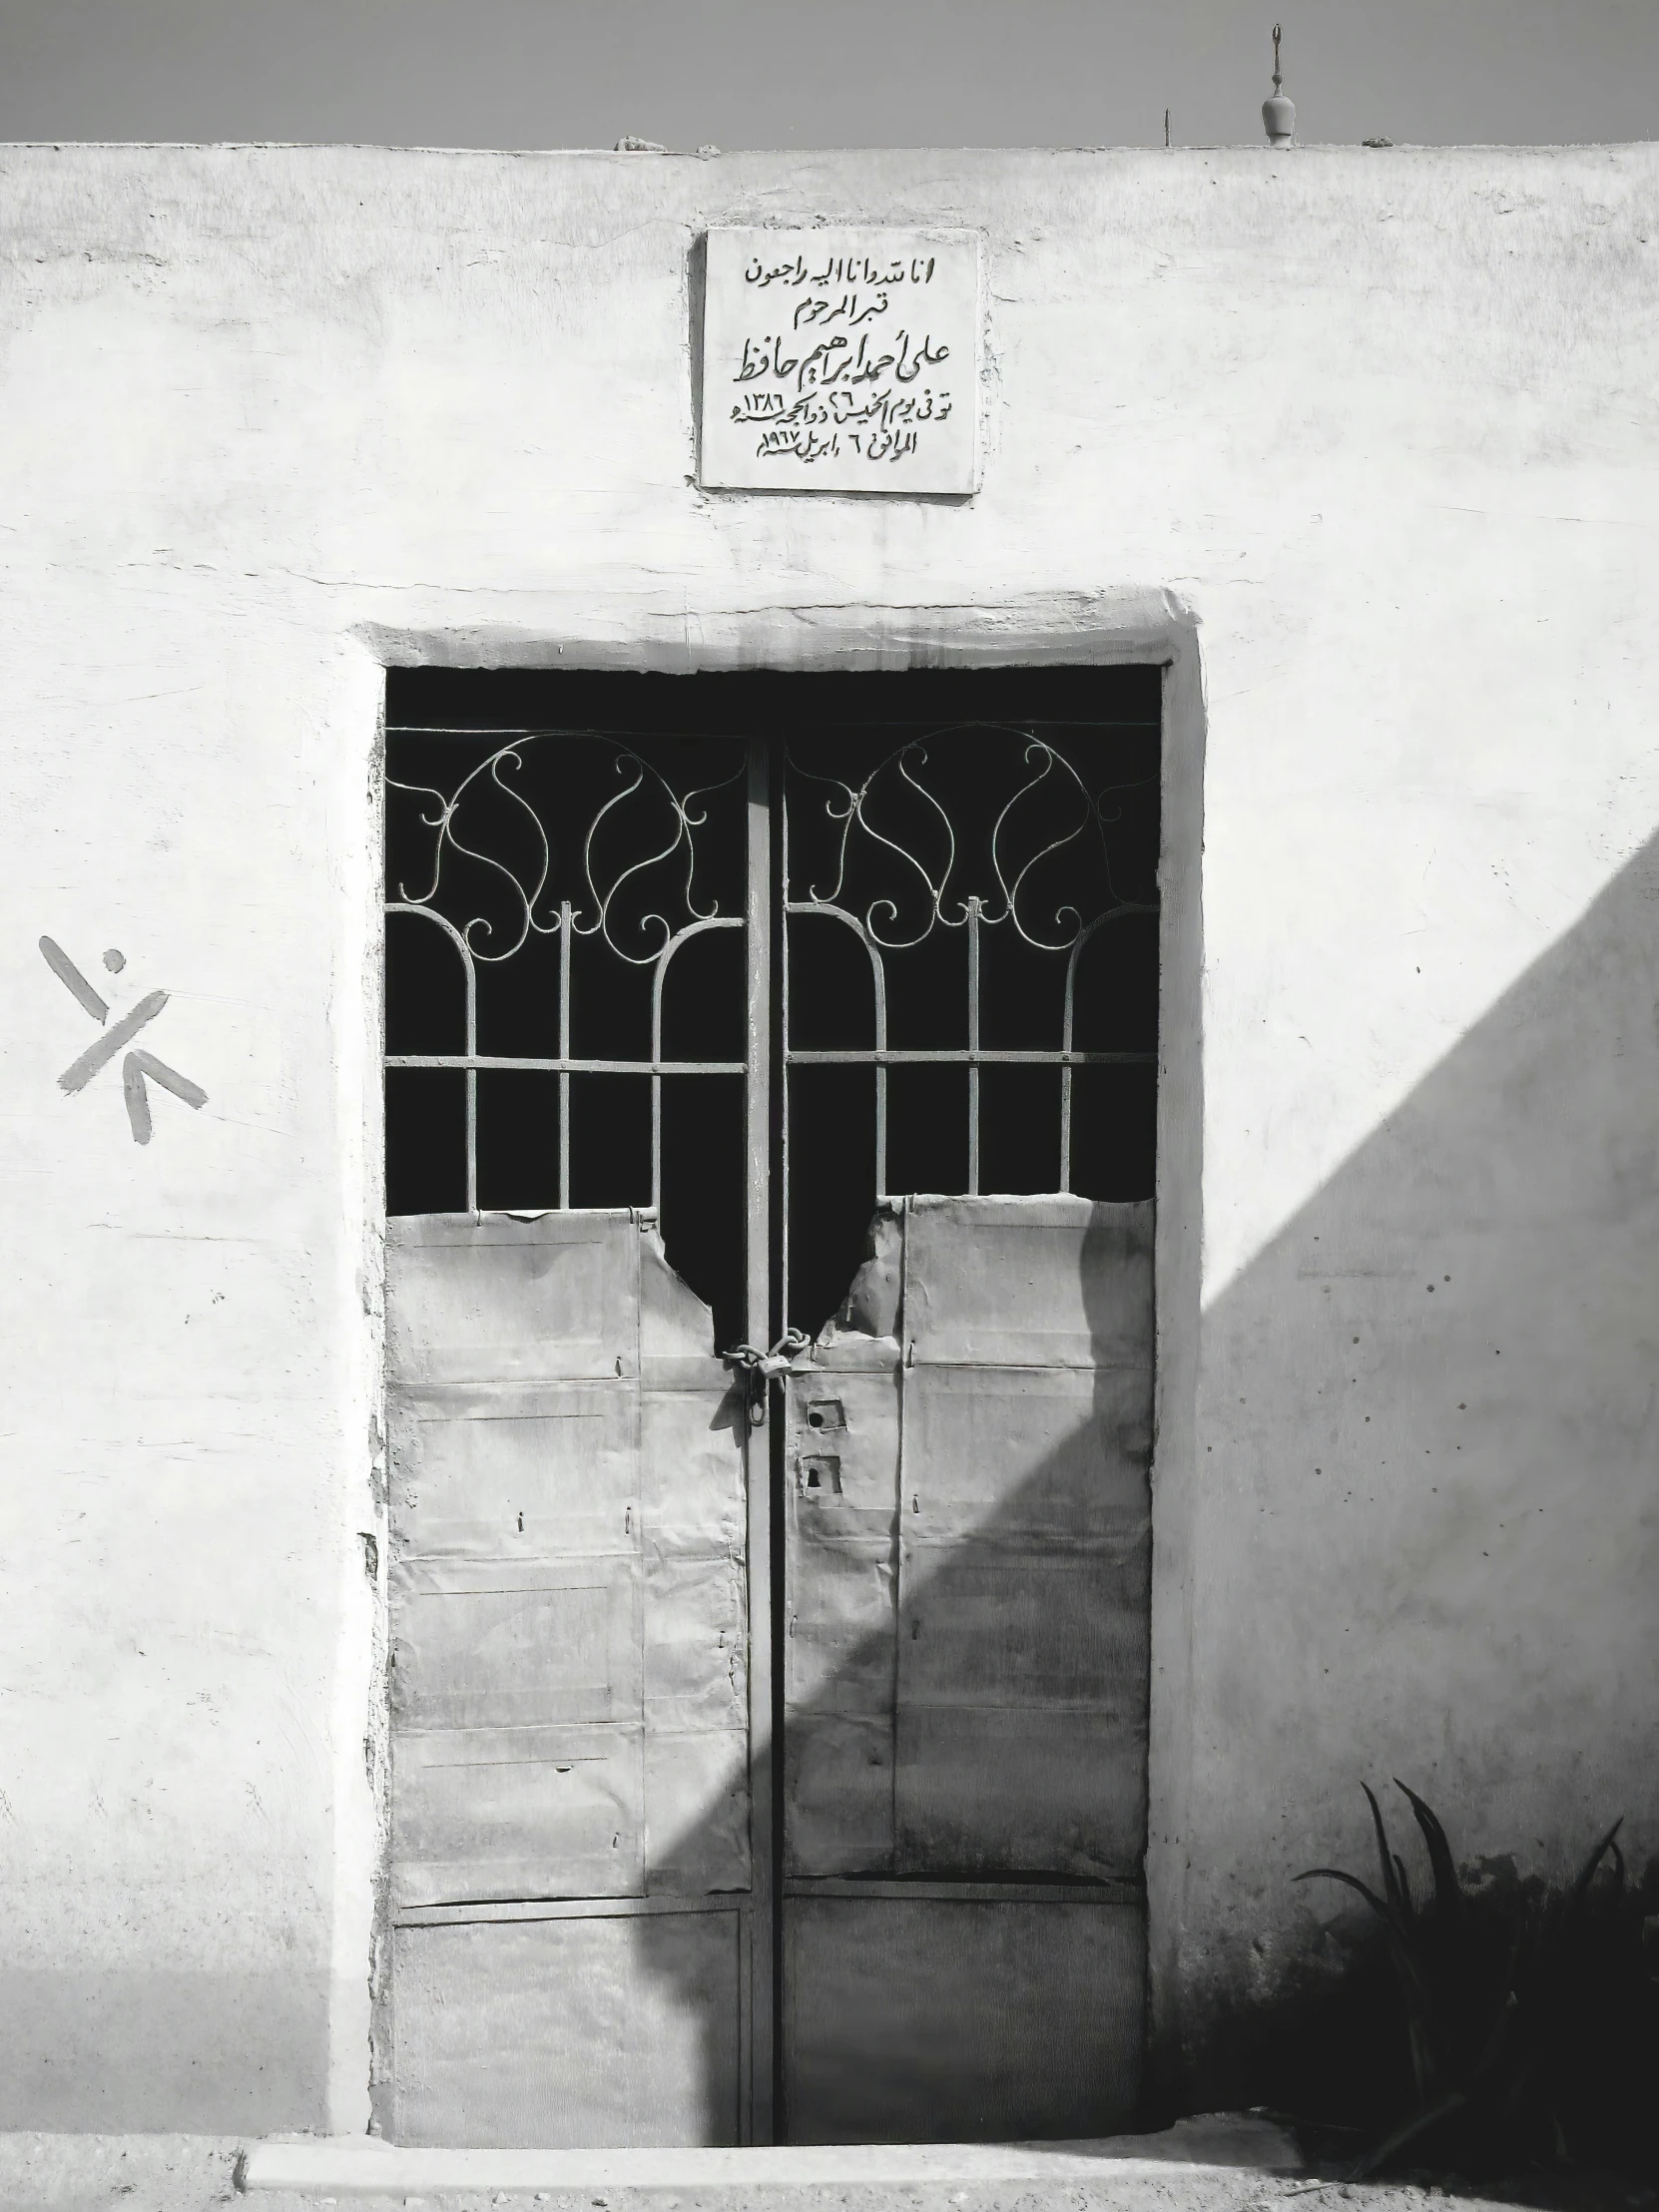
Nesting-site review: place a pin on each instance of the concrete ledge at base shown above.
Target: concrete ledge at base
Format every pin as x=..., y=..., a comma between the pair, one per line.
x=1212, y=2145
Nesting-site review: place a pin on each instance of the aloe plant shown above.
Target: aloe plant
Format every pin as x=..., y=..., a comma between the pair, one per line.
x=1493, y=2002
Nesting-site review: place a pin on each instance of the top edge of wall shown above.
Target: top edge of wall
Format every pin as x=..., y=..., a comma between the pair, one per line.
x=807, y=153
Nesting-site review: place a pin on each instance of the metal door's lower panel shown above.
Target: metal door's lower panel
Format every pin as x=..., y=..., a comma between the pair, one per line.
x=965, y=2013
x=569, y=2031
x=569, y=1872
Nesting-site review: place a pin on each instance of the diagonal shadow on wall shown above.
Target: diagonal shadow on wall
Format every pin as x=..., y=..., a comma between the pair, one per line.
x=1421, y=1537
x=1423, y=1531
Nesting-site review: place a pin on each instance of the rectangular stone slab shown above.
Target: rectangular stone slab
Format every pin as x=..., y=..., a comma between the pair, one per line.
x=841, y=361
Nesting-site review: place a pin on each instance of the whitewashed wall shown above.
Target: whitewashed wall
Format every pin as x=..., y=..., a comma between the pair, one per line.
x=1382, y=424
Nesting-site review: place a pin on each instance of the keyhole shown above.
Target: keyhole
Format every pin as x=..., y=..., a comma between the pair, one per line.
x=521, y=1524
x=812, y=1478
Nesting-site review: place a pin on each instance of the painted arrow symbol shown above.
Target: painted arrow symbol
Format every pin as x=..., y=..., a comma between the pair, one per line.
x=79, y=1072
x=137, y=1065
x=134, y=1069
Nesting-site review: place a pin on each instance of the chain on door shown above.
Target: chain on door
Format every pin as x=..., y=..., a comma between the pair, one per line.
x=692, y=985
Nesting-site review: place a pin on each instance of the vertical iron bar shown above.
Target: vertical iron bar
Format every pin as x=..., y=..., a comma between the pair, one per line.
x=471, y=1086
x=780, y=811
x=879, y=975
x=1067, y=1039
x=1065, y=1066
x=901, y=1575
x=973, y=1047
x=657, y=975
x=564, y=1054
x=757, y=1452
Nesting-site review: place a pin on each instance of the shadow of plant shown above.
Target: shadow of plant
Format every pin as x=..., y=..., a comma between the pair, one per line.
x=1531, y=2013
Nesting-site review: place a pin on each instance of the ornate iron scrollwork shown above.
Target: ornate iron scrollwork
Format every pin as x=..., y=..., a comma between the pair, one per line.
x=972, y=828
x=526, y=875
x=491, y=876
x=865, y=810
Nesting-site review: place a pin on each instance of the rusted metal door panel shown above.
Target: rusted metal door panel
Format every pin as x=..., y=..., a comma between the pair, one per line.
x=516, y=1659
x=697, y=1815
x=692, y=1428
x=696, y=1732
x=1026, y=1456
x=985, y=1653
x=486, y=1477
x=1024, y=1562
x=497, y=1813
x=1024, y=1622
x=489, y=1643
x=961, y=2017
x=568, y=1687
x=1002, y=1789
x=494, y=1299
x=841, y=1482
x=568, y=2031
x=1050, y=1282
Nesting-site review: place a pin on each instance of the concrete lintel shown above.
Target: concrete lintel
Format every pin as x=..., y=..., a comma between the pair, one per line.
x=597, y=630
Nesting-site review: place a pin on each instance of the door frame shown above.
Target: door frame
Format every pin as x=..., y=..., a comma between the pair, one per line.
x=1068, y=628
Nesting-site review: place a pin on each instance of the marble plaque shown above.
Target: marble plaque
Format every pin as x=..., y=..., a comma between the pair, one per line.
x=841, y=361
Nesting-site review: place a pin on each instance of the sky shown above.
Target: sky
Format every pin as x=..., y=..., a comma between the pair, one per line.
x=811, y=73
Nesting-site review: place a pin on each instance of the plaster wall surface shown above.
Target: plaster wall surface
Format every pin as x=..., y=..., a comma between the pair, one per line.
x=1382, y=425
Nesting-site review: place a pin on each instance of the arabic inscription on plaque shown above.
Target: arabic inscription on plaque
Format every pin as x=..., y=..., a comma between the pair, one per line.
x=841, y=361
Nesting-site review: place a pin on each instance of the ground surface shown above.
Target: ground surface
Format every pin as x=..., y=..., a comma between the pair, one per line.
x=194, y=2173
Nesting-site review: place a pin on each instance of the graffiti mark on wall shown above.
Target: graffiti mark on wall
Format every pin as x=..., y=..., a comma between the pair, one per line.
x=140, y=1068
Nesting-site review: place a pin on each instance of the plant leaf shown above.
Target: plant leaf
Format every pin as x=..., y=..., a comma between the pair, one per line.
x=1390, y=1885
x=1419, y=2039
x=1419, y=2124
x=1336, y=1874
x=1403, y=1880
x=1587, y=1872
x=1509, y=2017
x=1448, y=1893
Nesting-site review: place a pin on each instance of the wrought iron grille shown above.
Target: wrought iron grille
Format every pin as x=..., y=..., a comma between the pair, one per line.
x=904, y=869
x=961, y=931
x=562, y=838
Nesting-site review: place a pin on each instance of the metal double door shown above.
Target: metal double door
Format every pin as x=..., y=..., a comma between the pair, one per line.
x=768, y=1743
